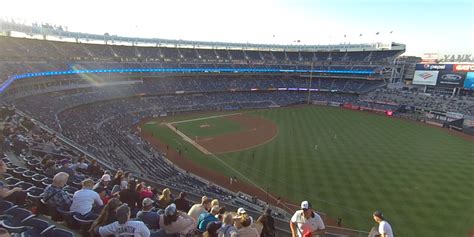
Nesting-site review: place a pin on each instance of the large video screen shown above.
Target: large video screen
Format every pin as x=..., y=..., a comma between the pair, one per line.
x=425, y=77
x=469, y=82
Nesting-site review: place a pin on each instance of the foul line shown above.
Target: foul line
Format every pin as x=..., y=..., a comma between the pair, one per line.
x=205, y=151
x=186, y=138
x=204, y=118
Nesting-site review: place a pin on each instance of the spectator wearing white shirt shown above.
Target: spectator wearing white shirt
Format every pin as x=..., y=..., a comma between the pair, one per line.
x=81, y=165
x=84, y=199
x=306, y=222
x=385, y=230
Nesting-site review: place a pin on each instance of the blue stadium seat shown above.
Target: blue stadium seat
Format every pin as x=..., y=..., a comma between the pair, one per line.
x=5, y=205
x=24, y=185
x=12, y=181
x=27, y=175
x=84, y=224
x=17, y=172
x=39, y=225
x=67, y=216
x=59, y=233
x=47, y=181
x=70, y=190
x=34, y=193
x=15, y=218
x=38, y=179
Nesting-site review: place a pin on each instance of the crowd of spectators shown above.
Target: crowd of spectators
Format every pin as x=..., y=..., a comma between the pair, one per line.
x=19, y=56
x=94, y=204
x=432, y=101
x=19, y=48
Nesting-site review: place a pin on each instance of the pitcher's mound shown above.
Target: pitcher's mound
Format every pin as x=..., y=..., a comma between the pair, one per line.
x=257, y=131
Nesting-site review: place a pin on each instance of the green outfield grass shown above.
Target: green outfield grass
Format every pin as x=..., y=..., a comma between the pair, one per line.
x=422, y=178
x=217, y=126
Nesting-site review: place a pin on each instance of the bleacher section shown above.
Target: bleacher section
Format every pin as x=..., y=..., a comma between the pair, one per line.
x=93, y=113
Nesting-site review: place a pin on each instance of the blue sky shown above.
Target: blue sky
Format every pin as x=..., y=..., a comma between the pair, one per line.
x=442, y=26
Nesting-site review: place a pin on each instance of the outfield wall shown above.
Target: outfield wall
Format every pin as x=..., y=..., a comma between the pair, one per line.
x=468, y=125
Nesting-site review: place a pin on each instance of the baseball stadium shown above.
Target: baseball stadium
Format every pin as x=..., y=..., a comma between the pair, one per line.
x=265, y=130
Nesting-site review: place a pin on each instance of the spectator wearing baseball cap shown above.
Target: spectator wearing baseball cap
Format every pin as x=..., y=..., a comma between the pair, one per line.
x=212, y=229
x=176, y=222
x=306, y=222
x=148, y=216
x=242, y=211
x=385, y=230
x=104, y=182
x=124, y=226
x=243, y=223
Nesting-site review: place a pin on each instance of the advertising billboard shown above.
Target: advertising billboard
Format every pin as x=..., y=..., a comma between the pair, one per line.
x=451, y=78
x=424, y=77
x=436, y=67
x=469, y=81
x=463, y=68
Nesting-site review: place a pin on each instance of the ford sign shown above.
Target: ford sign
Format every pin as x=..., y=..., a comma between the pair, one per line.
x=451, y=77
